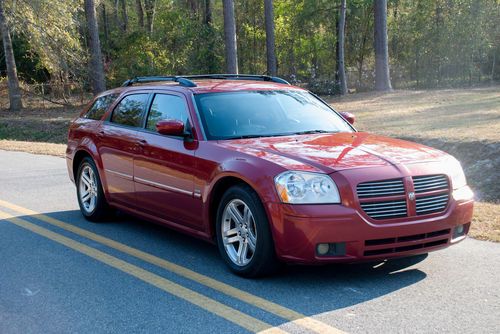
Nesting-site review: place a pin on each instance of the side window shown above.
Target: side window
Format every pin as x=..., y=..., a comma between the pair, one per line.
x=166, y=107
x=130, y=110
x=100, y=106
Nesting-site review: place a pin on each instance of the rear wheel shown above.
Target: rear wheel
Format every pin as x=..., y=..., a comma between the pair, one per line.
x=89, y=190
x=243, y=234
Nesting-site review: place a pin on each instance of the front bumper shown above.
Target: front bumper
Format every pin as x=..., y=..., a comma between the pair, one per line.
x=298, y=229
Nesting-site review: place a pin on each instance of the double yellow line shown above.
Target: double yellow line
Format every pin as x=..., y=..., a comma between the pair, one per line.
x=250, y=323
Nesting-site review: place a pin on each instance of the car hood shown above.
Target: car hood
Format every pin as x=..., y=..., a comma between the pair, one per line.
x=334, y=152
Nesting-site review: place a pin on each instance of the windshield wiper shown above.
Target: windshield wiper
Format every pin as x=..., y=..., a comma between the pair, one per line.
x=308, y=132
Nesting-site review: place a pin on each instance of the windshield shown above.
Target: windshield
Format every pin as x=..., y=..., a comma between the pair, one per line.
x=250, y=114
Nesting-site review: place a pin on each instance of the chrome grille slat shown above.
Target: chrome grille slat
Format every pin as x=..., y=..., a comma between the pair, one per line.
x=436, y=205
x=425, y=182
x=392, y=187
x=364, y=187
x=429, y=183
x=431, y=204
x=432, y=197
x=385, y=209
x=388, y=215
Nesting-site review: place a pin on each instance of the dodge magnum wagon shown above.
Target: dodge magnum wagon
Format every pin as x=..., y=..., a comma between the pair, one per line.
x=265, y=170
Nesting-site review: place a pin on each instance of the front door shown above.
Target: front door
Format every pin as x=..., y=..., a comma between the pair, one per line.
x=163, y=172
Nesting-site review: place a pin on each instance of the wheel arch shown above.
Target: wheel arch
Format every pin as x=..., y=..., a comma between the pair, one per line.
x=220, y=186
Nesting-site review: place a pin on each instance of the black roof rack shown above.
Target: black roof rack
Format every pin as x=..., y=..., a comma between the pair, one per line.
x=185, y=80
x=181, y=80
x=237, y=77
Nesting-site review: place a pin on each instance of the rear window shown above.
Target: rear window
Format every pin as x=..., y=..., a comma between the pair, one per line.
x=130, y=110
x=100, y=106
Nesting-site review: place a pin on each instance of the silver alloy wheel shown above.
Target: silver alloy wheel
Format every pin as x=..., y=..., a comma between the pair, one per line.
x=239, y=232
x=88, y=188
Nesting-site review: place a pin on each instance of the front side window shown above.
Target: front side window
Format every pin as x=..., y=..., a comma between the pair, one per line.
x=166, y=107
x=130, y=110
x=100, y=106
x=249, y=114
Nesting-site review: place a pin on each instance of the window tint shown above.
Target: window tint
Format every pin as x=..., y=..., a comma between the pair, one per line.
x=100, y=106
x=129, y=111
x=167, y=107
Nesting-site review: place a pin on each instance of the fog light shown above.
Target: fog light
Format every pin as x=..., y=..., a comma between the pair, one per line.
x=458, y=231
x=322, y=249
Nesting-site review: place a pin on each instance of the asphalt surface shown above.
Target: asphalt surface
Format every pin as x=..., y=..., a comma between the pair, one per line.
x=50, y=284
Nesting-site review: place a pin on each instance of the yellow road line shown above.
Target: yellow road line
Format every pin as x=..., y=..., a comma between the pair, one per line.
x=279, y=310
x=206, y=303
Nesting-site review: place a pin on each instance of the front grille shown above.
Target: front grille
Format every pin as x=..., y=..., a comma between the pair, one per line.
x=431, y=204
x=428, y=183
x=381, y=188
x=386, y=209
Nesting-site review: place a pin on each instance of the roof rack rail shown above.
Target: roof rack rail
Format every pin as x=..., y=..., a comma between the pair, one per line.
x=181, y=80
x=237, y=77
x=185, y=80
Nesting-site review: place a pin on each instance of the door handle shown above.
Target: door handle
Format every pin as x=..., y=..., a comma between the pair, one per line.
x=142, y=143
x=100, y=134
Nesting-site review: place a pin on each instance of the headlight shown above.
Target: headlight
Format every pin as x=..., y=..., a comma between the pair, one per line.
x=457, y=174
x=306, y=188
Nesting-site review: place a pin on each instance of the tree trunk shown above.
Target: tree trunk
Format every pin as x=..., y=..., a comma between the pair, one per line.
x=124, y=15
x=140, y=13
x=105, y=25
x=208, y=12
x=270, y=40
x=341, y=48
x=15, y=101
x=230, y=37
x=96, y=70
x=115, y=14
x=382, y=77
x=150, y=7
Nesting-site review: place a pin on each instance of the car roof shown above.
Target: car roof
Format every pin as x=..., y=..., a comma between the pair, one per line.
x=207, y=86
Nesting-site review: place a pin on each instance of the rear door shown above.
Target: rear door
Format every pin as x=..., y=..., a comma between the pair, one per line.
x=163, y=172
x=118, y=146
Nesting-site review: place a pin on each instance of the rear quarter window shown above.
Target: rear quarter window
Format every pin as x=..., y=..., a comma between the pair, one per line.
x=100, y=106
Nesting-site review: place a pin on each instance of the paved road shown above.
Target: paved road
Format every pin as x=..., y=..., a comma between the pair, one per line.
x=59, y=273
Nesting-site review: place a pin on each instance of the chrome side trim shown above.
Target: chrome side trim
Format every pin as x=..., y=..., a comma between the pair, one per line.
x=163, y=186
x=125, y=176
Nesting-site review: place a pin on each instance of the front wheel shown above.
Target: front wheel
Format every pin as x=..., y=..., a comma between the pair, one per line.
x=243, y=234
x=89, y=190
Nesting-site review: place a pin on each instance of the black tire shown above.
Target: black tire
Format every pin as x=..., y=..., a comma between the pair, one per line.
x=101, y=209
x=263, y=261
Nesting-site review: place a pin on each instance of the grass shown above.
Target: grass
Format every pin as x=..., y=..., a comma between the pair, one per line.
x=463, y=122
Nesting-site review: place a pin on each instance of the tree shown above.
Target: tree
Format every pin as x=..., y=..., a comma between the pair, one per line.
x=150, y=8
x=140, y=13
x=15, y=100
x=208, y=13
x=341, y=49
x=124, y=15
x=230, y=37
x=382, y=77
x=270, y=40
x=96, y=70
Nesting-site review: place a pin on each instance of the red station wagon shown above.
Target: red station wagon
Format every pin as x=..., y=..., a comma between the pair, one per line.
x=267, y=171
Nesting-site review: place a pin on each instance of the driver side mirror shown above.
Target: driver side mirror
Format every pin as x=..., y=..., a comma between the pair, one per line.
x=170, y=127
x=348, y=116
